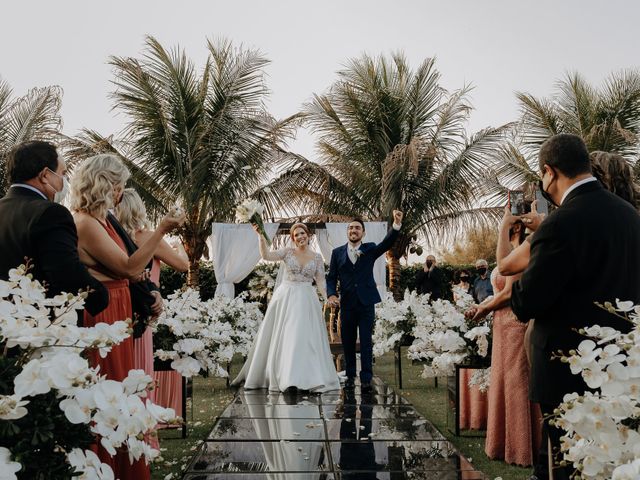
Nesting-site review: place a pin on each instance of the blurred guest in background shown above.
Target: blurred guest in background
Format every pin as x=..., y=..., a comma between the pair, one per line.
x=482, y=288
x=429, y=279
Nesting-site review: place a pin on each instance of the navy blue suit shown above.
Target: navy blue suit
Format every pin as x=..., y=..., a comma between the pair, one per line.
x=358, y=296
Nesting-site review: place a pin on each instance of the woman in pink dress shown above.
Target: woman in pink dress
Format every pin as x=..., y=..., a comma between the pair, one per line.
x=132, y=215
x=96, y=187
x=514, y=424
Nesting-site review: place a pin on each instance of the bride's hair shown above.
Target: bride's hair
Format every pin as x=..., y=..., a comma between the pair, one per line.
x=297, y=225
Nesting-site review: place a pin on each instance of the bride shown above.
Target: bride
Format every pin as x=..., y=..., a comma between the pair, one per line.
x=291, y=348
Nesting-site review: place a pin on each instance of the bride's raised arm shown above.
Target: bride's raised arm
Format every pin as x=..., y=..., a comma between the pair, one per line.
x=265, y=252
x=321, y=281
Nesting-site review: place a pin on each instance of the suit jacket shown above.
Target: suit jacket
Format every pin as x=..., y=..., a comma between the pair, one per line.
x=430, y=282
x=43, y=231
x=586, y=251
x=356, y=280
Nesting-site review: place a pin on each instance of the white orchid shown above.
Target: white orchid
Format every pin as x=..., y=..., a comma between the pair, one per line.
x=207, y=334
x=602, y=440
x=8, y=468
x=51, y=344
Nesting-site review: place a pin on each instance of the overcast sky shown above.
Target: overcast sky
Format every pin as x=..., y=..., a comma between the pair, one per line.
x=500, y=47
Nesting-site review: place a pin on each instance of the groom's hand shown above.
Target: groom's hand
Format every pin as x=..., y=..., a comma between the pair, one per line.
x=397, y=217
x=333, y=301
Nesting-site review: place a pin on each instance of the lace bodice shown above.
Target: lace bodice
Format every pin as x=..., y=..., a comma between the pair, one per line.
x=297, y=273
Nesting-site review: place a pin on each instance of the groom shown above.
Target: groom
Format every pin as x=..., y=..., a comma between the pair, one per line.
x=352, y=266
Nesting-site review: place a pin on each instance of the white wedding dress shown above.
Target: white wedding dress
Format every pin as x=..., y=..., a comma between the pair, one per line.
x=291, y=348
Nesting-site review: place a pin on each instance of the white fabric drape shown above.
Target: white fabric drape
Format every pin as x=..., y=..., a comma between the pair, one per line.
x=335, y=235
x=234, y=251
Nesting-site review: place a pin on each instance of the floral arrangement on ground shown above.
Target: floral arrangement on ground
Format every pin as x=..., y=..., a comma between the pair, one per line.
x=201, y=337
x=53, y=405
x=442, y=335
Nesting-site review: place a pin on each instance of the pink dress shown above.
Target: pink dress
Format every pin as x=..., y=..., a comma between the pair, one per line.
x=168, y=392
x=514, y=424
x=473, y=404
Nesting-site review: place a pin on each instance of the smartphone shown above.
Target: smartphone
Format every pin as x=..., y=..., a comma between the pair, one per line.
x=516, y=200
x=541, y=202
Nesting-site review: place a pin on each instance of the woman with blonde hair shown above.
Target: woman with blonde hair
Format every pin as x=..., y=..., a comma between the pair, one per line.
x=291, y=349
x=132, y=215
x=96, y=187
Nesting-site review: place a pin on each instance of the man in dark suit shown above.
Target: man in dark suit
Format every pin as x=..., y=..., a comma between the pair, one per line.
x=35, y=227
x=352, y=266
x=429, y=279
x=586, y=251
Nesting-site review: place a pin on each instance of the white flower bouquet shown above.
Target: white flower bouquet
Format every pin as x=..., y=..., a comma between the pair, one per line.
x=250, y=211
x=602, y=426
x=444, y=337
x=200, y=337
x=46, y=381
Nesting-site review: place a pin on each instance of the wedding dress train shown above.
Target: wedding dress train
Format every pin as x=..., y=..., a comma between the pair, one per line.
x=291, y=348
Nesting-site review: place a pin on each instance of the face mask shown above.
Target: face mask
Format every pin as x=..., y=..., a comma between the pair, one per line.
x=464, y=279
x=545, y=194
x=429, y=263
x=482, y=270
x=58, y=196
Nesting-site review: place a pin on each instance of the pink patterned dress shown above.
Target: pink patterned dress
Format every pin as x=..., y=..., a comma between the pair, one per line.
x=514, y=424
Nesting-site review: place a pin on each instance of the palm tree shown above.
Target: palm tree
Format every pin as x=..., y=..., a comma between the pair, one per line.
x=390, y=137
x=202, y=140
x=34, y=116
x=607, y=119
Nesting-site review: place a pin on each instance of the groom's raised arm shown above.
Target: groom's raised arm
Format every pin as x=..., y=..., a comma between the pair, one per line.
x=332, y=276
x=392, y=235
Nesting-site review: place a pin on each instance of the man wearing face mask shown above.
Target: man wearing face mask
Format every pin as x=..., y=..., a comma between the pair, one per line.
x=591, y=226
x=34, y=226
x=429, y=279
x=481, y=288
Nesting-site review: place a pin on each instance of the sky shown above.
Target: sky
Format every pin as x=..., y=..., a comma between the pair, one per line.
x=499, y=47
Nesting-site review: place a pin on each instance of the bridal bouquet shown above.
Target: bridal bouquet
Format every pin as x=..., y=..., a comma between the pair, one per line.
x=602, y=426
x=250, y=211
x=444, y=337
x=53, y=405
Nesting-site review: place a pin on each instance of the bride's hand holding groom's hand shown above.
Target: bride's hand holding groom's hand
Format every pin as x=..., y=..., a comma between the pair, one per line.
x=333, y=301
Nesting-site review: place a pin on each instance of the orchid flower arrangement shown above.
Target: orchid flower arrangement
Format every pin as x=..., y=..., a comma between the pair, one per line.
x=53, y=404
x=200, y=337
x=602, y=438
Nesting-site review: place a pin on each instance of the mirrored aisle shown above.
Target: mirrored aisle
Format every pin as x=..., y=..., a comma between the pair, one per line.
x=342, y=435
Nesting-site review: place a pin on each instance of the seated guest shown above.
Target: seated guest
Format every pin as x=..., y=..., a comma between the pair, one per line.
x=97, y=186
x=34, y=226
x=132, y=215
x=481, y=288
x=429, y=279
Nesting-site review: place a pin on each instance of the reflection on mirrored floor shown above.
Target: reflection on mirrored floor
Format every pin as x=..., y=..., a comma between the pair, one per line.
x=333, y=436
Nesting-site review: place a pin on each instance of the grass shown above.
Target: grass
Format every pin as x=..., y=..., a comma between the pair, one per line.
x=211, y=397
x=431, y=403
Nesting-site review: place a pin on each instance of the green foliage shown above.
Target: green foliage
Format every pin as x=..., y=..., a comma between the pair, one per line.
x=35, y=440
x=391, y=137
x=171, y=280
x=34, y=116
x=449, y=277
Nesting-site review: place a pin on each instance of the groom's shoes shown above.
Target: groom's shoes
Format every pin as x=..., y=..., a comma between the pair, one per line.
x=350, y=383
x=366, y=387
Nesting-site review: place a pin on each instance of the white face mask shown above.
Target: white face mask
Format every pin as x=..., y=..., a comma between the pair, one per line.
x=59, y=196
